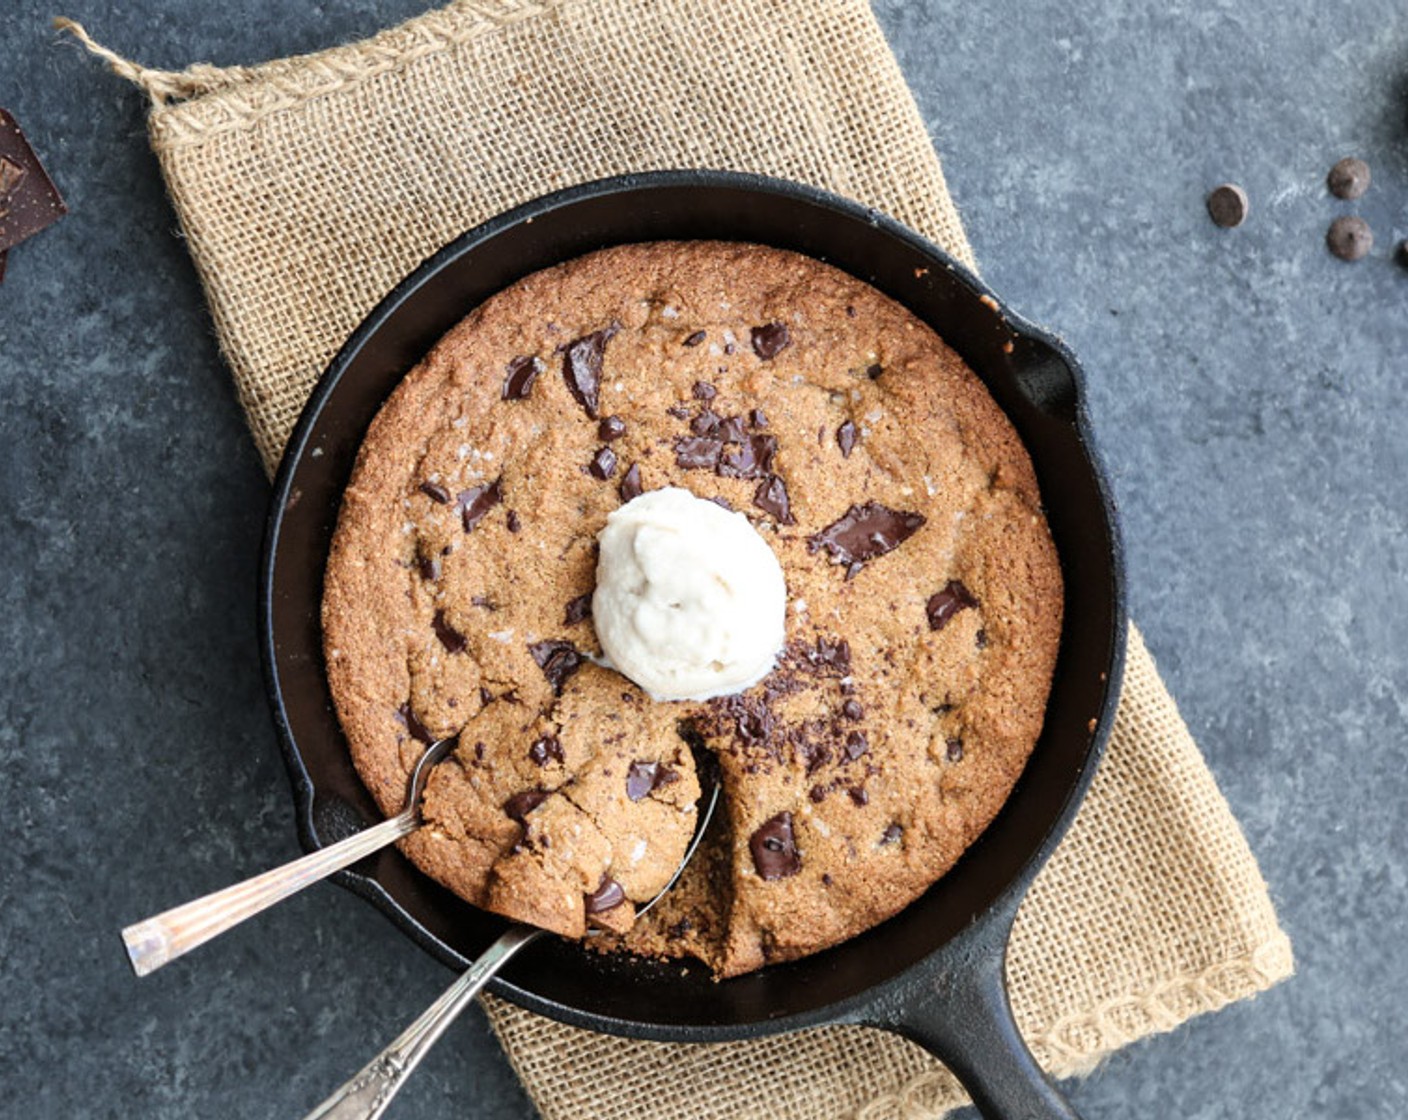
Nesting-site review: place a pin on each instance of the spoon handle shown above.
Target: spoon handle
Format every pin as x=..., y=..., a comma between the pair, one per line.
x=366, y=1096
x=163, y=938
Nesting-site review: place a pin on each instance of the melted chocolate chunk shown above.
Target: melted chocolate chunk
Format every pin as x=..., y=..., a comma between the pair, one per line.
x=828, y=654
x=954, y=750
x=703, y=391
x=851, y=710
x=892, y=833
x=752, y=459
x=514, y=524
x=696, y=338
x=418, y=730
x=641, y=778
x=611, y=427
x=520, y=805
x=581, y=367
x=817, y=757
x=435, y=492
x=774, y=848
x=817, y=794
x=722, y=503
x=858, y=795
x=485, y=697
x=944, y=604
x=732, y=430
x=856, y=745
x=770, y=340
x=603, y=464
x=705, y=424
x=758, y=418
x=578, y=609
x=607, y=896
x=519, y=377
x=771, y=498
x=630, y=485
x=450, y=638
x=477, y=501
x=545, y=749
x=846, y=436
x=558, y=660
x=865, y=532
x=697, y=453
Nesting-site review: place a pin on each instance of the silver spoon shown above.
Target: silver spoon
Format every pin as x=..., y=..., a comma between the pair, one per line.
x=163, y=938
x=368, y=1094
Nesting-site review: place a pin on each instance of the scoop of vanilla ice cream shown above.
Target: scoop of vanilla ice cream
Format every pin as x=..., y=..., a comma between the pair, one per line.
x=690, y=601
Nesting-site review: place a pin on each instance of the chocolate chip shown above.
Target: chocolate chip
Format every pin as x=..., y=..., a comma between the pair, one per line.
x=520, y=805
x=558, y=660
x=944, y=604
x=703, y=391
x=1350, y=238
x=874, y=371
x=856, y=745
x=732, y=430
x=450, y=638
x=1228, y=206
x=519, y=377
x=697, y=453
x=758, y=418
x=892, y=833
x=514, y=524
x=641, y=778
x=846, y=439
x=29, y=201
x=817, y=794
x=705, y=424
x=830, y=654
x=1349, y=178
x=817, y=757
x=679, y=929
x=429, y=568
x=630, y=485
x=851, y=710
x=408, y=720
x=954, y=750
x=774, y=848
x=485, y=697
x=696, y=338
x=545, y=749
x=865, y=532
x=1402, y=255
x=858, y=795
x=607, y=896
x=603, y=464
x=771, y=498
x=581, y=367
x=980, y=639
x=751, y=459
x=678, y=411
x=722, y=503
x=770, y=340
x=435, y=492
x=475, y=502
x=578, y=609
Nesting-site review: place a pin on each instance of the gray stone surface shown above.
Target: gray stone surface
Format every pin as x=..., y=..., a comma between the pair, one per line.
x=1246, y=385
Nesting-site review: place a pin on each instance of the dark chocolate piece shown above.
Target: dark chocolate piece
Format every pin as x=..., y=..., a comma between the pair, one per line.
x=607, y=896
x=435, y=492
x=705, y=424
x=856, y=745
x=545, y=749
x=751, y=459
x=581, y=367
x=641, y=778
x=954, y=750
x=696, y=338
x=846, y=436
x=29, y=201
x=774, y=848
x=512, y=521
x=603, y=464
x=703, y=391
x=946, y=603
x=828, y=654
x=429, y=568
x=1350, y=238
x=698, y=452
x=519, y=377
x=630, y=485
x=578, y=609
x=980, y=639
x=611, y=427
x=1228, y=205
x=865, y=532
x=1349, y=178
x=558, y=660
x=892, y=833
x=475, y=502
x=858, y=795
x=771, y=497
x=770, y=340
x=733, y=431
x=852, y=710
x=450, y=638
x=521, y=804
x=418, y=730
x=874, y=370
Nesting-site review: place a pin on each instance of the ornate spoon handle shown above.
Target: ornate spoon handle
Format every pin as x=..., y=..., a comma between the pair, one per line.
x=366, y=1096
x=156, y=941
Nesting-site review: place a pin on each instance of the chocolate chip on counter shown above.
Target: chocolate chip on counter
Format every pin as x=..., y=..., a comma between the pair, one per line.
x=475, y=502
x=698, y=453
x=29, y=201
x=771, y=497
x=611, y=427
x=519, y=376
x=578, y=609
x=1228, y=205
x=520, y=805
x=846, y=439
x=703, y=391
x=696, y=338
x=1350, y=238
x=856, y=745
x=603, y=464
x=581, y=367
x=865, y=532
x=770, y=340
x=450, y=638
x=512, y=521
x=774, y=848
x=874, y=371
x=558, y=660
x=418, y=730
x=892, y=833
x=435, y=492
x=851, y=710
x=1349, y=178
x=752, y=459
x=944, y=604
x=641, y=778
x=545, y=749
x=630, y=485
x=607, y=896
x=954, y=750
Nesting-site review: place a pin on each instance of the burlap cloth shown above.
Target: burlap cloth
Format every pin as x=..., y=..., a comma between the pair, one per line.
x=308, y=187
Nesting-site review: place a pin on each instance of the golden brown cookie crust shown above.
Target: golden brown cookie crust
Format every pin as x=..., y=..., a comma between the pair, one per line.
x=914, y=682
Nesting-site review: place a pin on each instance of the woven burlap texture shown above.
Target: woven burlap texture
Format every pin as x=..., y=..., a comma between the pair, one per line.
x=308, y=187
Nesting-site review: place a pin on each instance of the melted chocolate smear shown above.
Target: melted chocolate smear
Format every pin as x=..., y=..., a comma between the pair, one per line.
x=703, y=391
x=696, y=338
x=450, y=638
x=558, y=660
x=611, y=427
x=413, y=725
x=641, y=778
x=581, y=367
x=630, y=485
x=578, y=609
x=892, y=834
x=520, y=805
x=607, y=896
x=697, y=453
x=753, y=459
x=519, y=377
x=603, y=464
x=846, y=436
x=545, y=749
x=856, y=745
x=865, y=532
x=478, y=501
x=513, y=523
x=954, y=749
x=771, y=498
x=774, y=848
x=943, y=605
x=770, y=340
x=435, y=492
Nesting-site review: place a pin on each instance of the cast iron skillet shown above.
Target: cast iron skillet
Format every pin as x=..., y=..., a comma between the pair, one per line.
x=934, y=973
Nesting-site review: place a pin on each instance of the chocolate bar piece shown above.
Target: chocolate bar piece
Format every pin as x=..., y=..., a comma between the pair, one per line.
x=29, y=201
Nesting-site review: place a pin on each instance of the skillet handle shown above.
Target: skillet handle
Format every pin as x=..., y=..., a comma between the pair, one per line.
x=965, y=1020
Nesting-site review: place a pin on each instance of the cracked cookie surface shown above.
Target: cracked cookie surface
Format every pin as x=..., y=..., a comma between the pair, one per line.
x=924, y=615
